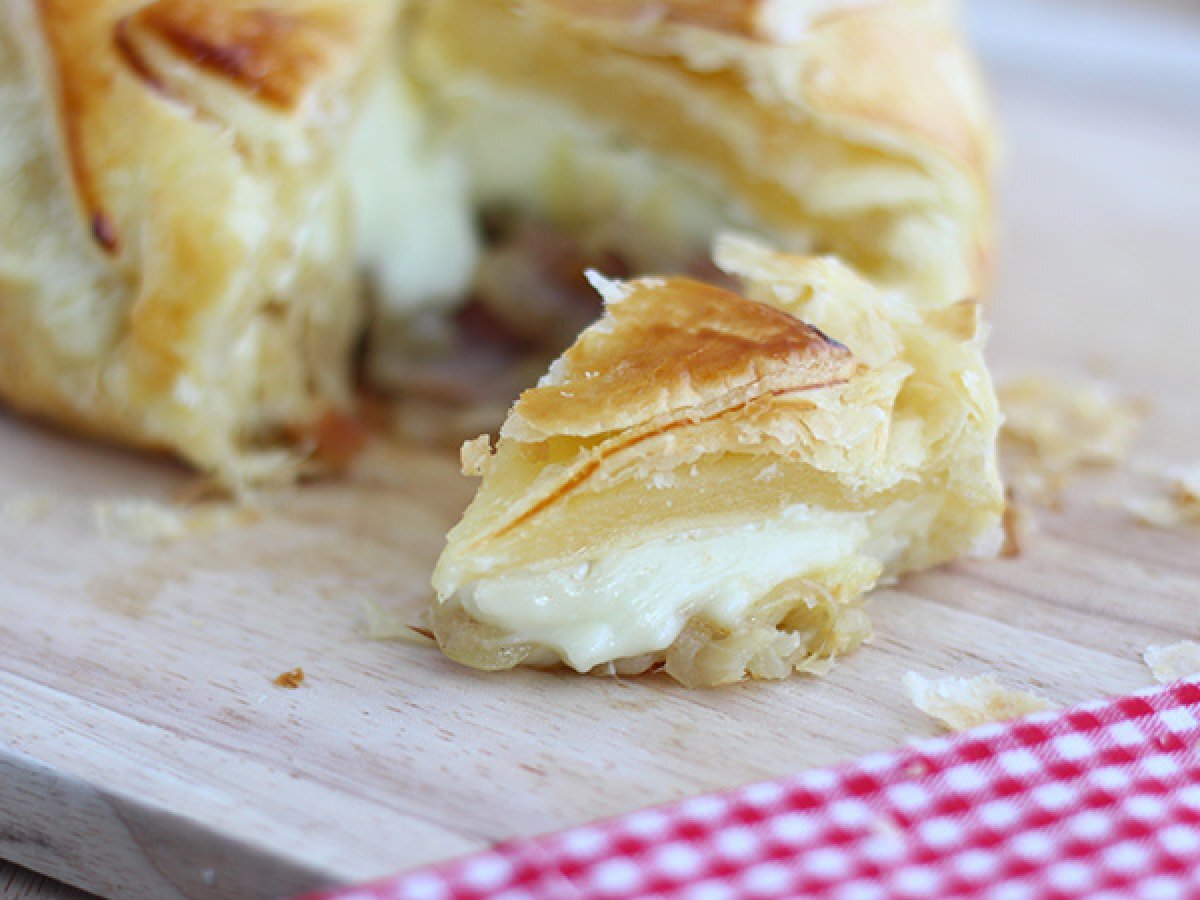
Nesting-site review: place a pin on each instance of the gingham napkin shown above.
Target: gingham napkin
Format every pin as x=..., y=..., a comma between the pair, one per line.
x=1102, y=800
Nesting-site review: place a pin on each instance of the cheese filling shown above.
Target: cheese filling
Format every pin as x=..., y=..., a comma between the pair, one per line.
x=637, y=601
x=416, y=235
x=537, y=157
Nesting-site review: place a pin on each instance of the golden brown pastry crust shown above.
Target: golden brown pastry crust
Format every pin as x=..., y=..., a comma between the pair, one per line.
x=669, y=348
x=274, y=53
x=783, y=104
x=897, y=68
x=193, y=284
x=881, y=443
x=194, y=144
x=277, y=54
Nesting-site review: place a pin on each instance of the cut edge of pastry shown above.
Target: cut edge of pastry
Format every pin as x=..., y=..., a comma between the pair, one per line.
x=536, y=531
x=652, y=387
x=903, y=145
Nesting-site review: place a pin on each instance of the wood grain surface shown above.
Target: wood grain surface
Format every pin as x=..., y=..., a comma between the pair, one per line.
x=21, y=884
x=145, y=751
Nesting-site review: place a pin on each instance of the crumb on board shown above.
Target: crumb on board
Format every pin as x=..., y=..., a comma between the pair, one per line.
x=26, y=509
x=1018, y=526
x=200, y=489
x=149, y=521
x=1178, y=504
x=291, y=679
x=334, y=440
x=1053, y=428
x=1171, y=662
x=962, y=703
x=1187, y=483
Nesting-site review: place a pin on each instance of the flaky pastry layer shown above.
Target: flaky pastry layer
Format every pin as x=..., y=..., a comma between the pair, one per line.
x=721, y=515
x=177, y=262
x=858, y=129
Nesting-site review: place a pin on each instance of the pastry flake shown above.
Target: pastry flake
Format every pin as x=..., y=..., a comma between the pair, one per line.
x=1055, y=428
x=963, y=703
x=151, y=522
x=708, y=482
x=1178, y=505
x=1171, y=662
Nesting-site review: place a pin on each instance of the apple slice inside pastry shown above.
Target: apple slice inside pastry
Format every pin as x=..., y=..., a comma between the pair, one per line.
x=708, y=482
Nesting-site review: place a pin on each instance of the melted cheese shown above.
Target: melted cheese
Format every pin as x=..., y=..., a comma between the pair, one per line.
x=416, y=235
x=637, y=601
x=539, y=158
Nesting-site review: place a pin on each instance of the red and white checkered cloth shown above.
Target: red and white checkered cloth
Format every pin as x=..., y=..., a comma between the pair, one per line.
x=1102, y=800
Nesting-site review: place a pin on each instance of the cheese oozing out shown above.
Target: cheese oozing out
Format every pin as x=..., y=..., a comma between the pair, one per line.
x=416, y=235
x=541, y=159
x=638, y=600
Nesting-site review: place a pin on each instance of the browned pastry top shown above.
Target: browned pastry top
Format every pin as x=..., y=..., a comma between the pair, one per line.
x=668, y=345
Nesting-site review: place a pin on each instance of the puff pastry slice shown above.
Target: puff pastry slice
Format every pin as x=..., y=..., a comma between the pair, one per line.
x=709, y=482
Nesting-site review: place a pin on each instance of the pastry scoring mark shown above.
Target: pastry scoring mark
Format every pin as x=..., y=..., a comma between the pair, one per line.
x=74, y=97
x=105, y=232
x=138, y=65
x=826, y=339
x=272, y=54
x=132, y=57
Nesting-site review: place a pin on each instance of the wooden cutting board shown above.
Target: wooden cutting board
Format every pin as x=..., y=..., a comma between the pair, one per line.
x=144, y=750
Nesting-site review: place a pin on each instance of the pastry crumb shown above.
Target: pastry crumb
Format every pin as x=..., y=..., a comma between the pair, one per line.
x=1155, y=512
x=339, y=439
x=1018, y=526
x=476, y=456
x=1055, y=428
x=1178, y=505
x=149, y=521
x=26, y=509
x=291, y=679
x=1187, y=483
x=1173, y=661
x=962, y=703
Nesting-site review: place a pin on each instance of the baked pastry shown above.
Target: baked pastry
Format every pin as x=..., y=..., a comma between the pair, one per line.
x=177, y=258
x=709, y=482
x=640, y=128
x=194, y=188
x=414, y=227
